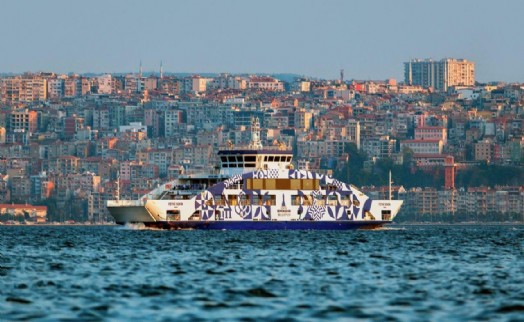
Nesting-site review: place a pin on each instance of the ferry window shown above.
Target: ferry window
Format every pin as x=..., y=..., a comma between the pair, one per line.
x=271, y=158
x=219, y=200
x=320, y=200
x=232, y=200
x=257, y=200
x=250, y=165
x=250, y=158
x=240, y=159
x=245, y=200
x=295, y=200
x=266, y=158
x=231, y=159
x=346, y=200
x=270, y=200
x=296, y=184
x=223, y=158
x=288, y=159
x=332, y=200
x=173, y=215
x=308, y=200
x=196, y=216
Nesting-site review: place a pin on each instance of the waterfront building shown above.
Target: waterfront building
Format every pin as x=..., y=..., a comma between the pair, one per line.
x=37, y=214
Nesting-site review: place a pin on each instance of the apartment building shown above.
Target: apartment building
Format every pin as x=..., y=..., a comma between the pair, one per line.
x=431, y=133
x=439, y=75
x=24, y=88
x=265, y=83
x=23, y=121
x=423, y=146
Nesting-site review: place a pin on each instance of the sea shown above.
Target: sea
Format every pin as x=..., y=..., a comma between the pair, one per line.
x=398, y=273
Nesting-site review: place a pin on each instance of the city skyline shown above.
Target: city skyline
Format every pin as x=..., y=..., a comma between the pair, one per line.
x=367, y=40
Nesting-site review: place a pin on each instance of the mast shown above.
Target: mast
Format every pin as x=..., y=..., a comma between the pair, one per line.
x=390, y=182
x=118, y=185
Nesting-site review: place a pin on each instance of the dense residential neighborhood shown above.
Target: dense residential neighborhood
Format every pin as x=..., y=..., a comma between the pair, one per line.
x=455, y=147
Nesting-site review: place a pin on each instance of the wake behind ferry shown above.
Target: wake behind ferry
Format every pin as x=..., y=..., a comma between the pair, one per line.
x=257, y=188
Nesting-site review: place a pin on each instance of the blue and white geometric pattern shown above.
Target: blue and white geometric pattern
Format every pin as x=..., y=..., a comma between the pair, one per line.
x=317, y=211
x=233, y=180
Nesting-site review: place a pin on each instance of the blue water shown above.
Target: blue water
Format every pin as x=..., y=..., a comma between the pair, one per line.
x=415, y=273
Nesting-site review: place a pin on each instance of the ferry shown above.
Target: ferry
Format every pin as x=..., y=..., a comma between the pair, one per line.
x=257, y=188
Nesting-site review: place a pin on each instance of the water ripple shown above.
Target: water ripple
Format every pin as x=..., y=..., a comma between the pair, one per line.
x=422, y=273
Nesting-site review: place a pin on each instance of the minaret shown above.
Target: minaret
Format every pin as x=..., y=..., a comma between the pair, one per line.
x=341, y=76
x=255, y=144
x=161, y=70
x=140, y=70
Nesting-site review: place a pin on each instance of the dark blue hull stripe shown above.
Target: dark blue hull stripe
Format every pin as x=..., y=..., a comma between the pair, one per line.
x=267, y=225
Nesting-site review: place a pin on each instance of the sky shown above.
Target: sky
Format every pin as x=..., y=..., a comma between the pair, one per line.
x=368, y=39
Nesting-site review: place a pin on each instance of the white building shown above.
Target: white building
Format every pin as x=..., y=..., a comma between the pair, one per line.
x=105, y=84
x=55, y=88
x=423, y=146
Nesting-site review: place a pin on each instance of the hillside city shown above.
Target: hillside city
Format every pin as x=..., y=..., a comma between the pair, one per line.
x=455, y=147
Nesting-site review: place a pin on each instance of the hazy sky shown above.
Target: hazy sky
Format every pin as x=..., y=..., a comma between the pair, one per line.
x=369, y=39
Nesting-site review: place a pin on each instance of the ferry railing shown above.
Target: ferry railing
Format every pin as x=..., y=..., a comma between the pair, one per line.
x=124, y=203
